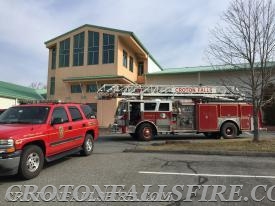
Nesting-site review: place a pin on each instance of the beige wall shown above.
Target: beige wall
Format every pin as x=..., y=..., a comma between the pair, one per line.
x=122, y=70
x=179, y=79
x=204, y=78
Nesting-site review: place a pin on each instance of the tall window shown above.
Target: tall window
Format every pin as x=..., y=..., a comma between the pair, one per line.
x=53, y=57
x=108, y=48
x=140, y=68
x=64, y=53
x=93, y=47
x=52, y=86
x=125, y=58
x=78, y=49
x=76, y=88
x=131, y=64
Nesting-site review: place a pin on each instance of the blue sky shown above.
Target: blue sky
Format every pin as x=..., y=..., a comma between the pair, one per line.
x=176, y=32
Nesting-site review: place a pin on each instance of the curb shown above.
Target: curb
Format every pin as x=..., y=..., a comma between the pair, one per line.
x=197, y=152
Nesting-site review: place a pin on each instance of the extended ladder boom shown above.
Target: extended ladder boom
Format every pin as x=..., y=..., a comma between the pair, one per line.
x=191, y=91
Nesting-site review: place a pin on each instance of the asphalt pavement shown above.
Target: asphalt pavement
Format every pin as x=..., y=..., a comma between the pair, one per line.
x=109, y=165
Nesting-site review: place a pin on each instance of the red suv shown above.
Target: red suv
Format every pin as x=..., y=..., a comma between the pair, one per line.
x=33, y=133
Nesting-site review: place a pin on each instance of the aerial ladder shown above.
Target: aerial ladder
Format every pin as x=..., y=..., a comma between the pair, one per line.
x=140, y=91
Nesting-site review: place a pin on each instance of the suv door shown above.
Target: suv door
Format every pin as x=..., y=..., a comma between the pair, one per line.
x=59, y=134
x=78, y=126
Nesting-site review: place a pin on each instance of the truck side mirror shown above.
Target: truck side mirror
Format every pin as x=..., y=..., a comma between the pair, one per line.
x=57, y=120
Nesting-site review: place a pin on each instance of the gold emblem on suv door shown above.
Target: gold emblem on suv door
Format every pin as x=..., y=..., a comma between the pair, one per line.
x=61, y=132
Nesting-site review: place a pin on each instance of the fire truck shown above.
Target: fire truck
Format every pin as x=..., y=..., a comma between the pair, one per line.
x=148, y=110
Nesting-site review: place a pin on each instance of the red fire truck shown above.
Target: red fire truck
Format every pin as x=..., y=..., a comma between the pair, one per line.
x=148, y=110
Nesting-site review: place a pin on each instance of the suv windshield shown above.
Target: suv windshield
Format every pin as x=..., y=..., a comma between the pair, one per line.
x=25, y=115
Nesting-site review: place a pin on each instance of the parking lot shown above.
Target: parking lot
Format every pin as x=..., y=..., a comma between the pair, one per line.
x=109, y=165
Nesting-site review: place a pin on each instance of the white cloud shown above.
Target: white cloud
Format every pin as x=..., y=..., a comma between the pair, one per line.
x=175, y=31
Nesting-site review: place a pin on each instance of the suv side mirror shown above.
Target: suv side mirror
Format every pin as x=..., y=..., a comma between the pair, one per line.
x=57, y=120
x=92, y=116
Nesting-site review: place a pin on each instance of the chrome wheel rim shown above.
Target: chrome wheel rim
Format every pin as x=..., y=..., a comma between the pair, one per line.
x=89, y=145
x=229, y=131
x=147, y=132
x=33, y=161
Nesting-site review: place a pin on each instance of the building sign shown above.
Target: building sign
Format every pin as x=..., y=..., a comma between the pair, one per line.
x=194, y=90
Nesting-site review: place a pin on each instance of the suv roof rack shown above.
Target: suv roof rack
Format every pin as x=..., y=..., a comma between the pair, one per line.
x=39, y=101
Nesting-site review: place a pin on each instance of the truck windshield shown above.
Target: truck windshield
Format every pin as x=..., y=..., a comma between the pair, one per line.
x=25, y=115
x=122, y=107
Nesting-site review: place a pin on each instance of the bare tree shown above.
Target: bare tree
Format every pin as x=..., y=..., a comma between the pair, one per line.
x=245, y=42
x=38, y=85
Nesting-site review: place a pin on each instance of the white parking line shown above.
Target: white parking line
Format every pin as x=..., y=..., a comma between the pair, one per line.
x=207, y=175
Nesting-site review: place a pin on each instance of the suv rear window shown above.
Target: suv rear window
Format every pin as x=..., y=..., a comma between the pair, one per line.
x=87, y=110
x=61, y=113
x=75, y=114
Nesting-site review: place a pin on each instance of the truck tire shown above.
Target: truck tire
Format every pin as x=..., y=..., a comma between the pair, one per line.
x=229, y=130
x=145, y=132
x=88, y=145
x=31, y=163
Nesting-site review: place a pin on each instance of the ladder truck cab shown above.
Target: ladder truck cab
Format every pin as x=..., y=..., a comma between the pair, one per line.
x=149, y=110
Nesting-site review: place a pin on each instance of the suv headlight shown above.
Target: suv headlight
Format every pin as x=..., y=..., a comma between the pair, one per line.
x=7, y=145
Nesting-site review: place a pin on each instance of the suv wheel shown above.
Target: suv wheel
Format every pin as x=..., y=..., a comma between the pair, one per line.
x=88, y=145
x=32, y=161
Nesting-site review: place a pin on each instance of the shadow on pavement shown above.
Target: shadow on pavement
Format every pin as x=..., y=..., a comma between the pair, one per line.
x=122, y=138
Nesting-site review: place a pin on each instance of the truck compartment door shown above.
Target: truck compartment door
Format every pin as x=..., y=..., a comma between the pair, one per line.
x=207, y=117
x=246, y=114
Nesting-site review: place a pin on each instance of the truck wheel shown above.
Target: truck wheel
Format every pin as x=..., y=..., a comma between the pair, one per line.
x=88, y=145
x=145, y=132
x=229, y=130
x=31, y=163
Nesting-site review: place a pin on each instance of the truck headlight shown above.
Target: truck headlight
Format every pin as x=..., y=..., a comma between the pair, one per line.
x=7, y=145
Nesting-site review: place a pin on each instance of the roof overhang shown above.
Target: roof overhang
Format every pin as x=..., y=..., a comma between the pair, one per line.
x=129, y=41
x=105, y=78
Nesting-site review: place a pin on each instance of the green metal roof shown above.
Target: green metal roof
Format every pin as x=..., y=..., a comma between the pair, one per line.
x=10, y=90
x=211, y=68
x=42, y=92
x=88, y=78
x=109, y=29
